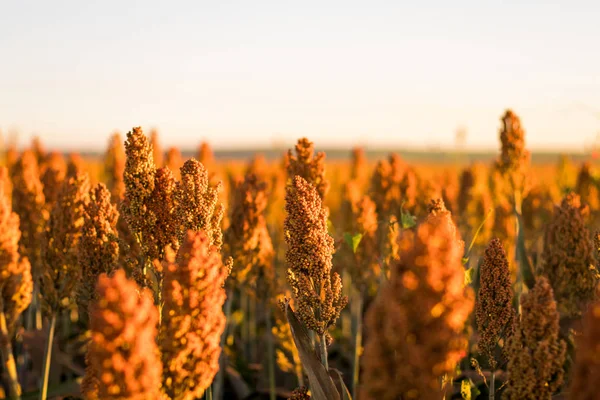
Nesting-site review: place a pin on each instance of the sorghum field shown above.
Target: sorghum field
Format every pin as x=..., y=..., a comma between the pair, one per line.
x=148, y=276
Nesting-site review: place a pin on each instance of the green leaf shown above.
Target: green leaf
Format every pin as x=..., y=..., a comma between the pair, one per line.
x=407, y=220
x=468, y=252
x=469, y=276
x=321, y=384
x=465, y=389
x=353, y=240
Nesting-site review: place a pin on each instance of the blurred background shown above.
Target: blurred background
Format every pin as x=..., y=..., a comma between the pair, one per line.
x=420, y=76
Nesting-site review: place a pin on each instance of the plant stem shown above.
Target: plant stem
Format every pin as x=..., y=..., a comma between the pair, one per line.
x=346, y=319
x=271, y=357
x=493, y=386
x=8, y=359
x=252, y=329
x=48, y=358
x=358, y=300
x=209, y=395
x=220, y=378
x=245, y=305
x=323, y=350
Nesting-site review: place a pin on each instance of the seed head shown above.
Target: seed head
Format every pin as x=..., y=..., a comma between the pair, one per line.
x=157, y=152
x=38, y=149
x=568, y=257
x=206, y=155
x=317, y=291
x=358, y=165
x=415, y=327
x=382, y=188
x=300, y=393
x=9, y=233
x=494, y=312
x=309, y=166
x=587, y=188
x=193, y=320
x=29, y=204
x=98, y=249
x=366, y=270
x=16, y=284
x=75, y=165
x=450, y=191
x=6, y=184
x=535, y=352
x=247, y=238
x=514, y=157
x=114, y=167
x=60, y=245
x=122, y=354
x=409, y=190
x=174, y=162
x=198, y=203
x=587, y=361
x=164, y=231
x=139, y=180
x=54, y=171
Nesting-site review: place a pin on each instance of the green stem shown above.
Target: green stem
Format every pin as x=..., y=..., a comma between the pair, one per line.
x=358, y=300
x=493, y=386
x=47, y=359
x=8, y=359
x=209, y=394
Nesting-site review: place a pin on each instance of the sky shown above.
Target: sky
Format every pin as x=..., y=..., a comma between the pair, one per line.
x=405, y=74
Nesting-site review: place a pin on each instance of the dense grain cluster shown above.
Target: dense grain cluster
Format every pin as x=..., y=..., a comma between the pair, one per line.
x=568, y=257
x=199, y=207
x=60, y=245
x=146, y=258
x=98, y=249
x=16, y=287
x=309, y=166
x=193, y=320
x=536, y=353
x=114, y=166
x=317, y=291
x=415, y=327
x=124, y=361
x=138, y=178
x=247, y=239
x=29, y=203
x=494, y=311
x=587, y=366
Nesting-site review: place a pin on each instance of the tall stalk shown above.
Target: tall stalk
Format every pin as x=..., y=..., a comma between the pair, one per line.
x=323, y=351
x=217, y=389
x=358, y=306
x=8, y=360
x=245, y=327
x=252, y=329
x=47, y=359
x=493, y=386
x=271, y=357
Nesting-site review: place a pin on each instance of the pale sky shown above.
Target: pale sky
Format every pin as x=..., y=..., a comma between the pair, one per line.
x=250, y=73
